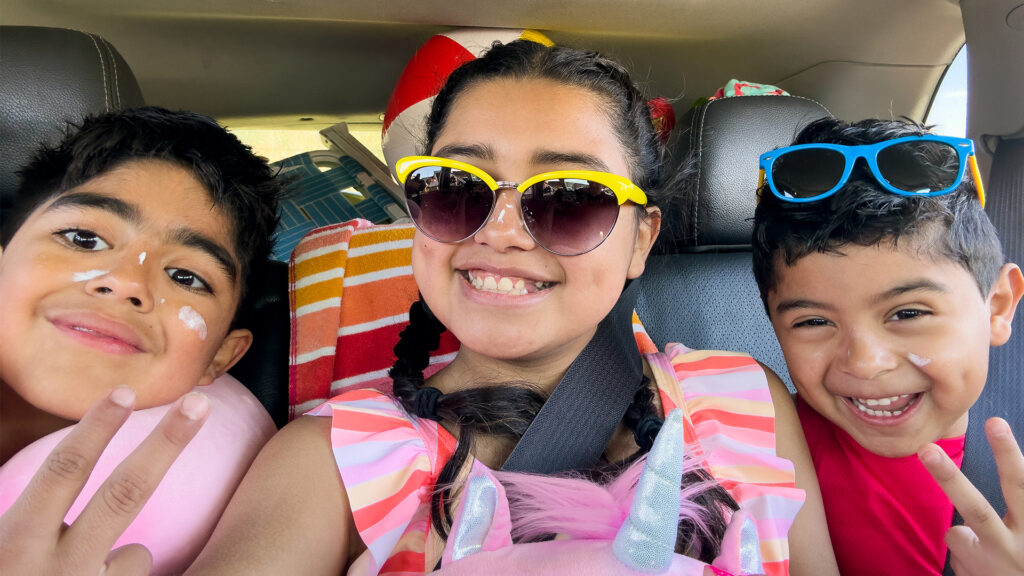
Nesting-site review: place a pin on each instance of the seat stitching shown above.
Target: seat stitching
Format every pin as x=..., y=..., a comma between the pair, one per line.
x=103, y=68
x=118, y=103
x=699, y=134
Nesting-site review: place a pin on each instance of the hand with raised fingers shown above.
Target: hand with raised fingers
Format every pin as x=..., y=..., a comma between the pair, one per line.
x=986, y=544
x=35, y=538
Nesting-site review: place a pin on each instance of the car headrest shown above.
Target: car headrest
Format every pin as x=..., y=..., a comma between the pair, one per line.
x=51, y=76
x=727, y=138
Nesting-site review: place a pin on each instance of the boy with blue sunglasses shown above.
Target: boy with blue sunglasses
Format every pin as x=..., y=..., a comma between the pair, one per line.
x=886, y=285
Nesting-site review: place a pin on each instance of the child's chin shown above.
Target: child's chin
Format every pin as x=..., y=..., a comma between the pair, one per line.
x=906, y=444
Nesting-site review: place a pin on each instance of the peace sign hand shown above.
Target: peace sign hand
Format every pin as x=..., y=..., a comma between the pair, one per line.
x=985, y=544
x=35, y=538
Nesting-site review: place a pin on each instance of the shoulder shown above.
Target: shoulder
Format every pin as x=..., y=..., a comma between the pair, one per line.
x=709, y=379
x=370, y=429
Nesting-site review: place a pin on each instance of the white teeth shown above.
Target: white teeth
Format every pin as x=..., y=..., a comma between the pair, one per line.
x=863, y=403
x=503, y=285
x=879, y=401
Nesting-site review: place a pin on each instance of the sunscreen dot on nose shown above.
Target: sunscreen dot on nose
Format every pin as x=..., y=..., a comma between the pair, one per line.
x=142, y=258
x=193, y=321
x=88, y=275
x=918, y=361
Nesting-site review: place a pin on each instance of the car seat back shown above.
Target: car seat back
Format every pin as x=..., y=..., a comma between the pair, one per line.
x=49, y=77
x=700, y=285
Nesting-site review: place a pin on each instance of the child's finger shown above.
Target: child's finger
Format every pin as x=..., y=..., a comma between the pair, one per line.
x=1010, y=463
x=976, y=511
x=964, y=547
x=128, y=560
x=118, y=501
x=41, y=508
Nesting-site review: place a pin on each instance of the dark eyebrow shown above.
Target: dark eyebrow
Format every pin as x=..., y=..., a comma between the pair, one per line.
x=916, y=285
x=115, y=206
x=797, y=303
x=193, y=239
x=478, y=151
x=924, y=285
x=572, y=158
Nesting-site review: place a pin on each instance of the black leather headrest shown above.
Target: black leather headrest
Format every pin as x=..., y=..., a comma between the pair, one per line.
x=728, y=136
x=48, y=77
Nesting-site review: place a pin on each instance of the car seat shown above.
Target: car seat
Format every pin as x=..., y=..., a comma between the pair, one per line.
x=699, y=284
x=1002, y=393
x=49, y=77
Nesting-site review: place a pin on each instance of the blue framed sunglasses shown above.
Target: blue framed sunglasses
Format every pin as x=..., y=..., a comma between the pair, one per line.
x=927, y=165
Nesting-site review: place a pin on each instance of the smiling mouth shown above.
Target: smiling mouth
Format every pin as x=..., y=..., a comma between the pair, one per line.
x=507, y=285
x=107, y=337
x=888, y=407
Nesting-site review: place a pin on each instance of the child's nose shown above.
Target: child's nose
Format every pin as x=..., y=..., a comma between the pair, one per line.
x=127, y=282
x=866, y=356
x=505, y=227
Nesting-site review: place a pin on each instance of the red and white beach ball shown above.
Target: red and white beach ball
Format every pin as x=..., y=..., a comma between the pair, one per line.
x=405, y=119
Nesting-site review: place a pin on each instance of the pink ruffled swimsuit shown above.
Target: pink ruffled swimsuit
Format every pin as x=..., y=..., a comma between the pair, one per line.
x=390, y=460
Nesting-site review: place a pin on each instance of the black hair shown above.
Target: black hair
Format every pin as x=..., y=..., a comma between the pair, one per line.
x=507, y=409
x=239, y=183
x=953, y=226
x=625, y=105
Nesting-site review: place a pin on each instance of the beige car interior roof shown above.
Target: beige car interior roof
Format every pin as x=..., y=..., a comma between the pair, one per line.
x=274, y=62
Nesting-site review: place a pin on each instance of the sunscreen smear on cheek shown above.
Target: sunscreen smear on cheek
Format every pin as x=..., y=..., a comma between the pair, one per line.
x=918, y=361
x=193, y=321
x=88, y=275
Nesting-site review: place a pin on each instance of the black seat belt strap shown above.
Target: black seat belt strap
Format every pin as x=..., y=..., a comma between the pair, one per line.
x=574, y=426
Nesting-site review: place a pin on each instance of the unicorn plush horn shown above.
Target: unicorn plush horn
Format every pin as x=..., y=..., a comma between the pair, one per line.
x=646, y=542
x=481, y=543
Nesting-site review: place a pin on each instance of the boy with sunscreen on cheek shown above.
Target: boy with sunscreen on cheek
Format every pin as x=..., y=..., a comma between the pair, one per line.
x=123, y=263
x=886, y=285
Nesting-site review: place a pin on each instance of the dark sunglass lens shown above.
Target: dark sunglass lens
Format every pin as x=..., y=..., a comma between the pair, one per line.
x=447, y=204
x=919, y=167
x=570, y=216
x=807, y=173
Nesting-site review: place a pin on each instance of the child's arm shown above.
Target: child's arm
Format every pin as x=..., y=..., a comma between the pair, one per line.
x=810, y=549
x=985, y=544
x=34, y=537
x=289, y=515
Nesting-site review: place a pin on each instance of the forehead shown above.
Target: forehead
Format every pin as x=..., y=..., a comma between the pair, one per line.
x=517, y=117
x=158, y=189
x=869, y=271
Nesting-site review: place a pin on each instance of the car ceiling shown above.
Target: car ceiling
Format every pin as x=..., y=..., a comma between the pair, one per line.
x=273, y=62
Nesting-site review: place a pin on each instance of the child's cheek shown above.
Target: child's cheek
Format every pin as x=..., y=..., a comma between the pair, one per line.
x=193, y=321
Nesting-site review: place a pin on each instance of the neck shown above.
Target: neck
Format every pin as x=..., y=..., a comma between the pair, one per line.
x=22, y=423
x=472, y=370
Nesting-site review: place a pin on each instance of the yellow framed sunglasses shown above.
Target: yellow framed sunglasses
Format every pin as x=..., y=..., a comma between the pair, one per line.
x=567, y=212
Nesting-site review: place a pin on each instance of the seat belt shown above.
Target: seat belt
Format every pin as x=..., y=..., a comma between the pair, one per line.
x=1001, y=395
x=574, y=426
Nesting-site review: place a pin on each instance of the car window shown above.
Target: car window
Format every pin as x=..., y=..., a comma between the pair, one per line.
x=278, y=143
x=949, y=108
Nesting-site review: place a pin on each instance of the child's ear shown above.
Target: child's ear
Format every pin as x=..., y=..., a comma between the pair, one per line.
x=231, y=350
x=646, y=234
x=1003, y=300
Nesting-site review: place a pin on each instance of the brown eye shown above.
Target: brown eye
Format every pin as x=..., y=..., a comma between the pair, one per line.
x=188, y=279
x=84, y=239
